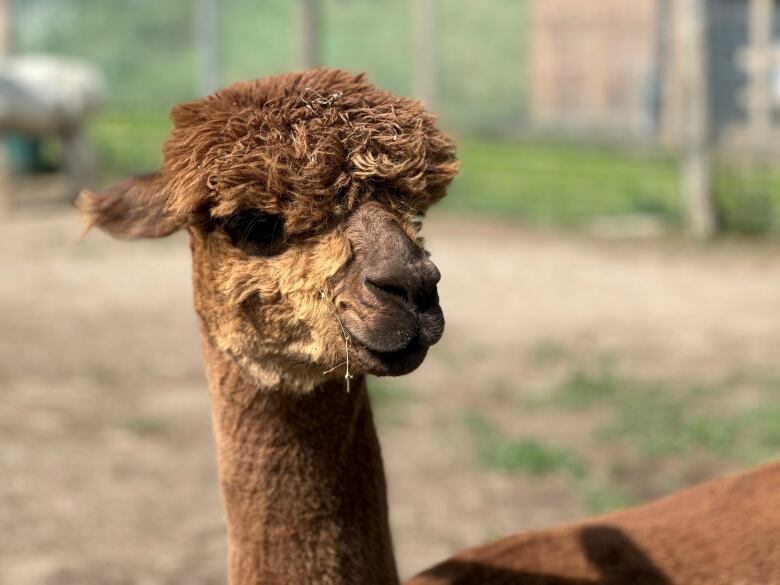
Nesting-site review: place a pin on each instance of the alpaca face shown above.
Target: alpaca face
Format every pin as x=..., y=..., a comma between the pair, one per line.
x=300, y=194
x=295, y=311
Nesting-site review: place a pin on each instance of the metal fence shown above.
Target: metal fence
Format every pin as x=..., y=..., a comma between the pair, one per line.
x=151, y=51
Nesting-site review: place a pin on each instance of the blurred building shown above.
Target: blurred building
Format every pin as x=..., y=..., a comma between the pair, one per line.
x=612, y=68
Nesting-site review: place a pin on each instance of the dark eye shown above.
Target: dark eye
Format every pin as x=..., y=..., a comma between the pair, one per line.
x=255, y=232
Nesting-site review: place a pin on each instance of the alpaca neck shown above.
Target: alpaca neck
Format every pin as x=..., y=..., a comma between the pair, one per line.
x=302, y=482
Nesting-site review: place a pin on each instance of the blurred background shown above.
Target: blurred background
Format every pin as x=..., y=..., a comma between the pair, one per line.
x=609, y=252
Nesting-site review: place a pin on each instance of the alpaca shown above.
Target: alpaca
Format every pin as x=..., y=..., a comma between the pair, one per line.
x=302, y=195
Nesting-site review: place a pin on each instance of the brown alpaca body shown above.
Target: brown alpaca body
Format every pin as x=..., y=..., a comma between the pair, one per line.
x=300, y=194
x=724, y=532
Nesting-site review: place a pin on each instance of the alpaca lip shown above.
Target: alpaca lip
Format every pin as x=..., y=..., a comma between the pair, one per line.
x=374, y=349
x=394, y=363
x=414, y=346
x=419, y=340
x=390, y=363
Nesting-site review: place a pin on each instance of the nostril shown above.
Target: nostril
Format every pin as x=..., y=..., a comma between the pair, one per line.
x=387, y=289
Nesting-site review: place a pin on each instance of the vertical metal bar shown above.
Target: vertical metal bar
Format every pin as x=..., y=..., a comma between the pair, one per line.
x=308, y=20
x=760, y=63
x=425, y=53
x=207, y=39
x=695, y=93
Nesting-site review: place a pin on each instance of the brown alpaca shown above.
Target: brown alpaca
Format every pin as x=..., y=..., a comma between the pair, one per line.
x=301, y=195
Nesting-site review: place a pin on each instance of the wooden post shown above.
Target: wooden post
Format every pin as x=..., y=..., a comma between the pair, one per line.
x=309, y=33
x=425, y=51
x=207, y=46
x=695, y=116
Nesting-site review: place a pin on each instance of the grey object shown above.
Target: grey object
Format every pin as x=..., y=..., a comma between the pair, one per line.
x=43, y=96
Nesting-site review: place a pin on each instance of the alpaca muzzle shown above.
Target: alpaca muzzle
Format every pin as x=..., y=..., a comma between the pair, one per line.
x=391, y=303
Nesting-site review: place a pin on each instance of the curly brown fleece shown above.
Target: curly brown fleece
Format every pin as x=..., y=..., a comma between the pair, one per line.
x=310, y=145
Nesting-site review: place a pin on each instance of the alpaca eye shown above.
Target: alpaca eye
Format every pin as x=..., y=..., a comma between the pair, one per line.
x=255, y=232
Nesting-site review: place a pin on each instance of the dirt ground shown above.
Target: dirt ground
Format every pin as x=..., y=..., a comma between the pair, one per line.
x=107, y=472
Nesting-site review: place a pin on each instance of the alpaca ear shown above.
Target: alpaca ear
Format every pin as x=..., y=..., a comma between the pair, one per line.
x=134, y=208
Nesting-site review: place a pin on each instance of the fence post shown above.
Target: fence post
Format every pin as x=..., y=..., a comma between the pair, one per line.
x=207, y=46
x=692, y=50
x=425, y=53
x=308, y=20
x=6, y=30
x=759, y=61
x=6, y=41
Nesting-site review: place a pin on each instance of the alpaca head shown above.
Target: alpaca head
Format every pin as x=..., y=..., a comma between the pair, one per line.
x=303, y=196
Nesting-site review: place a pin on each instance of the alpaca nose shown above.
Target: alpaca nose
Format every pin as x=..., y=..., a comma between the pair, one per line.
x=408, y=277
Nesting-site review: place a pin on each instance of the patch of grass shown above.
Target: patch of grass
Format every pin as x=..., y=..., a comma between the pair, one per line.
x=563, y=183
x=651, y=417
x=499, y=452
x=747, y=198
x=130, y=141
x=665, y=419
x=556, y=183
x=756, y=434
x=716, y=435
x=142, y=426
x=582, y=389
x=549, y=352
x=650, y=414
x=390, y=400
x=652, y=433
x=767, y=423
x=600, y=499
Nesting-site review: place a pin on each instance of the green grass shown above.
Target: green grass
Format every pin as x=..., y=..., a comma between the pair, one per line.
x=130, y=141
x=548, y=352
x=497, y=451
x=571, y=185
x=142, y=426
x=647, y=436
x=582, y=388
x=599, y=499
x=748, y=198
x=562, y=184
x=662, y=419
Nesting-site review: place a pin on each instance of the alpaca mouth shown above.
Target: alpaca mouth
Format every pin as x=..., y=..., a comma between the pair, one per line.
x=393, y=346
x=389, y=363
